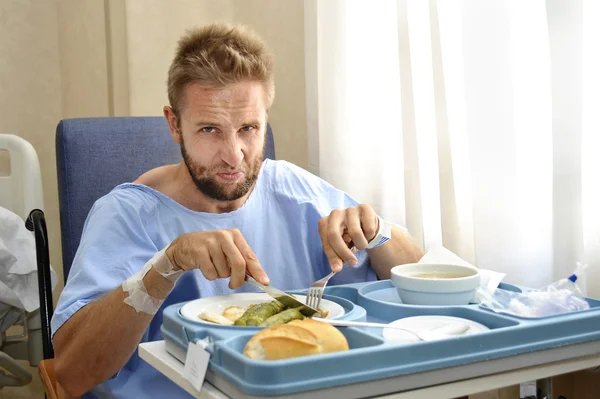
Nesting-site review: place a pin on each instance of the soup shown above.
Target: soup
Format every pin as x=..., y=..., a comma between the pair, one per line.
x=440, y=275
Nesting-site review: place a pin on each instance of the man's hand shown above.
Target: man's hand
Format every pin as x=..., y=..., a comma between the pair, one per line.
x=344, y=229
x=218, y=254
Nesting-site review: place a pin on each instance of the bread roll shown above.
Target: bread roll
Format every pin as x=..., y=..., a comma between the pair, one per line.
x=297, y=338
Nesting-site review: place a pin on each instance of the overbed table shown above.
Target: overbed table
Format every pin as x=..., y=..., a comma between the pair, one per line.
x=451, y=382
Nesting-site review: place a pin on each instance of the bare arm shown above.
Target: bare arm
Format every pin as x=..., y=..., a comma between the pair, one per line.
x=400, y=249
x=99, y=339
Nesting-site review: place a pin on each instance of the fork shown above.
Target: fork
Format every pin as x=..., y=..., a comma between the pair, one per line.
x=315, y=291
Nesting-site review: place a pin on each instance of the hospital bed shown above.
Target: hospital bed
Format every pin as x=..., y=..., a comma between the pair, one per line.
x=21, y=326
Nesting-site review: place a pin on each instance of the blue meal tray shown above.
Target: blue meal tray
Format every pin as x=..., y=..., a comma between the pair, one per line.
x=371, y=357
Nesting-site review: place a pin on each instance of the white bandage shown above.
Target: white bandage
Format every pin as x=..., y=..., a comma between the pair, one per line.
x=138, y=297
x=383, y=234
x=164, y=267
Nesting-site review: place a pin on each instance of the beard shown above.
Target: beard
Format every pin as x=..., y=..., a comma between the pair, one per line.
x=209, y=186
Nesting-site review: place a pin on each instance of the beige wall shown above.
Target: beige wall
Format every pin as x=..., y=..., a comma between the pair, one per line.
x=30, y=106
x=151, y=41
x=52, y=66
x=281, y=24
x=83, y=58
x=30, y=91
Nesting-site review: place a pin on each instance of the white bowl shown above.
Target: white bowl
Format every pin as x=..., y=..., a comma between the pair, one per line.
x=449, y=285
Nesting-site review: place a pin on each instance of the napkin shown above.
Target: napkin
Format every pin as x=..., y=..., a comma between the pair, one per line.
x=489, y=280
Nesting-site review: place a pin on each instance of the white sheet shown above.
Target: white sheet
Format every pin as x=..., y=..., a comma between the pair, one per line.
x=18, y=265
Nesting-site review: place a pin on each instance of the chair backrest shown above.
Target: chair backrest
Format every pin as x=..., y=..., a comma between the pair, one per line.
x=94, y=155
x=21, y=190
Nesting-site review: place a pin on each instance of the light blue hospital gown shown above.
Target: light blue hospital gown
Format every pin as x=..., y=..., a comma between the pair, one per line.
x=129, y=225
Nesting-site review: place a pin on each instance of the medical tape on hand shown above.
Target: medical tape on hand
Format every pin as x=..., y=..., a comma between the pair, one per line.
x=384, y=233
x=138, y=297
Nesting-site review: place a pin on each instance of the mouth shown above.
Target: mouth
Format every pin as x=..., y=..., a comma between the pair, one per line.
x=230, y=177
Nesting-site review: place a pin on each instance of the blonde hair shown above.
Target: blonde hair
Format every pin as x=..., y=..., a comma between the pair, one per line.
x=218, y=55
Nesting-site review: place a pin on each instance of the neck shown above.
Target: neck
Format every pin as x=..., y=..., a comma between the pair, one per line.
x=188, y=195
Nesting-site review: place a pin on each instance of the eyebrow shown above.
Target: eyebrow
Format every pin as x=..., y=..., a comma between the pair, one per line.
x=206, y=123
x=209, y=123
x=252, y=122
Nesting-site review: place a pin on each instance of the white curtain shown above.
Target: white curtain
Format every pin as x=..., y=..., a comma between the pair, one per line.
x=473, y=123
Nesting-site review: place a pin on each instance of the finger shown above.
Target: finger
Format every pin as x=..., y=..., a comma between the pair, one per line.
x=205, y=264
x=236, y=262
x=369, y=221
x=218, y=258
x=335, y=262
x=335, y=228
x=253, y=266
x=347, y=239
x=180, y=254
x=355, y=230
x=186, y=257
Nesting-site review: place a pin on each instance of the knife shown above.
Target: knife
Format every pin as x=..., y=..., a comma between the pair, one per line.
x=283, y=297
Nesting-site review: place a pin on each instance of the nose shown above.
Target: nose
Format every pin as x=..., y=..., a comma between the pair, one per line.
x=232, y=153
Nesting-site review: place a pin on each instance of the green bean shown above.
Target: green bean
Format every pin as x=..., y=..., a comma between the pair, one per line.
x=283, y=317
x=259, y=313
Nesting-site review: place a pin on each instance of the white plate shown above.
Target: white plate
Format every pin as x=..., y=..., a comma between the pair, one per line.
x=423, y=323
x=218, y=304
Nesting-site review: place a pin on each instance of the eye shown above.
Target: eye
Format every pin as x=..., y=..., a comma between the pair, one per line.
x=247, y=128
x=208, y=129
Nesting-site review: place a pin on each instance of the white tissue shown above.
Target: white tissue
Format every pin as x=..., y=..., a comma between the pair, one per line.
x=18, y=265
x=489, y=280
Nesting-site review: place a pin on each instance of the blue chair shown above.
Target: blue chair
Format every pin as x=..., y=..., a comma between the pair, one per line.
x=94, y=155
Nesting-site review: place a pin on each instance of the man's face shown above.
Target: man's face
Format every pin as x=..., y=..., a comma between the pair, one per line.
x=222, y=138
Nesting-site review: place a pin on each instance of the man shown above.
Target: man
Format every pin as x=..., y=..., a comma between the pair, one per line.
x=191, y=230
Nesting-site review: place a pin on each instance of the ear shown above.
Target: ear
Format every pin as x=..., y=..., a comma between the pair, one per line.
x=173, y=123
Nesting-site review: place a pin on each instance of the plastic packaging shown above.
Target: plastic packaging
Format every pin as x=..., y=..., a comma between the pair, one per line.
x=562, y=296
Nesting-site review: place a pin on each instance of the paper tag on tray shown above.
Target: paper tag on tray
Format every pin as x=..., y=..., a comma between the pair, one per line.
x=196, y=363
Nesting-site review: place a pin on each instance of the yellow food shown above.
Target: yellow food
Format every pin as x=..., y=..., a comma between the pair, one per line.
x=215, y=318
x=233, y=313
x=294, y=339
x=439, y=275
